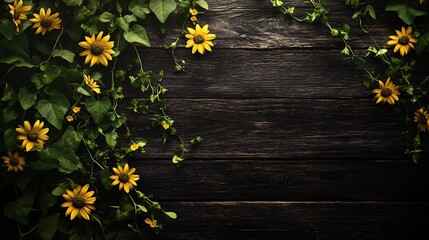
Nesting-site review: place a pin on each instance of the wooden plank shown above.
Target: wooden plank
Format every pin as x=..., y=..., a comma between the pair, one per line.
x=281, y=129
x=293, y=180
x=258, y=73
x=298, y=220
x=255, y=24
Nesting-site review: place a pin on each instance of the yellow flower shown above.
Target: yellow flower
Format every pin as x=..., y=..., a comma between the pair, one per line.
x=134, y=146
x=125, y=178
x=200, y=39
x=14, y=162
x=421, y=117
x=387, y=92
x=44, y=21
x=193, y=12
x=69, y=118
x=403, y=41
x=151, y=223
x=76, y=109
x=32, y=136
x=98, y=50
x=165, y=125
x=79, y=202
x=194, y=19
x=92, y=84
x=18, y=12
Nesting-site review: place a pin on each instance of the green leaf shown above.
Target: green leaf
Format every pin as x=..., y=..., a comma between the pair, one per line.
x=64, y=54
x=112, y=139
x=137, y=35
x=9, y=114
x=106, y=17
x=203, y=4
x=10, y=140
x=84, y=91
x=51, y=73
x=177, y=159
x=54, y=109
x=98, y=109
x=423, y=43
x=48, y=226
x=20, y=209
x=9, y=94
x=130, y=18
x=172, y=215
x=26, y=98
x=7, y=29
x=123, y=24
x=73, y=3
x=46, y=201
x=72, y=137
x=162, y=8
x=139, y=8
x=60, y=189
x=369, y=9
x=105, y=180
x=61, y=155
x=406, y=10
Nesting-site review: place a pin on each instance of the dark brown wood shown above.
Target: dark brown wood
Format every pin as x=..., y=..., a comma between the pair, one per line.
x=297, y=220
x=282, y=129
x=264, y=180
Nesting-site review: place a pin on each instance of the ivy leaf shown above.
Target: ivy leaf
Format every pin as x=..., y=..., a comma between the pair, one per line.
x=46, y=201
x=172, y=215
x=62, y=156
x=26, y=98
x=9, y=114
x=72, y=137
x=105, y=180
x=162, y=8
x=406, y=10
x=54, y=109
x=51, y=73
x=48, y=226
x=112, y=139
x=10, y=140
x=137, y=35
x=106, y=17
x=139, y=8
x=98, y=109
x=422, y=44
x=20, y=209
x=73, y=3
x=369, y=9
x=123, y=24
x=7, y=29
x=203, y=4
x=64, y=54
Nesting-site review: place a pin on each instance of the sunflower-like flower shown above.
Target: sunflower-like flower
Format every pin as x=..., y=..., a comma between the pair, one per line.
x=70, y=118
x=193, y=11
x=403, y=41
x=98, y=49
x=89, y=81
x=200, y=39
x=45, y=22
x=124, y=177
x=387, y=92
x=79, y=202
x=14, y=162
x=18, y=12
x=32, y=136
x=421, y=117
x=134, y=146
x=76, y=109
x=151, y=223
x=193, y=18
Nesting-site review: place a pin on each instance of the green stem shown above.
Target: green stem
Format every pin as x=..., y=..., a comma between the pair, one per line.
x=101, y=226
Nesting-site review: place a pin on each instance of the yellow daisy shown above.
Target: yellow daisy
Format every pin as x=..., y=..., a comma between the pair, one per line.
x=165, y=125
x=421, y=117
x=32, y=136
x=124, y=177
x=387, y=92
x=194, y=19
x=151, y=223
x=76, y=109
x=14, y=162
x=44, y=21
x=98, y=49
x=134, y=146
x=18, y=12
x=79, y=202
x=200, y=39
x=193, y=12
x=403, y=41
x=92, y=84
x=69, y=118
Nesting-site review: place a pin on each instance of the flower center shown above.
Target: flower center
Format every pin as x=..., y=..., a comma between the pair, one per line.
x=46, y=23
x=79, y=202
x=404, y=40
x=16, y=14
x=124, y=177
x=199, y=39
x=32, y=135
x=97, y=49
x=14, y=161
x=386, y=92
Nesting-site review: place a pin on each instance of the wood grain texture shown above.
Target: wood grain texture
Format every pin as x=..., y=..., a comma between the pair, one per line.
x=281, y=129
x=298, y=220
x=292, y=180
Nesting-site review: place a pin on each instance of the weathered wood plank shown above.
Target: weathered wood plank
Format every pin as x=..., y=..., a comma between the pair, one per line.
x=258, y=73
x=293, y=180
x=282, y=129
x=298, y=220
x=255, y=24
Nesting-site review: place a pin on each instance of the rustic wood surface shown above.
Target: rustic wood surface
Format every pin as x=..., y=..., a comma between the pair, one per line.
x=294, y=146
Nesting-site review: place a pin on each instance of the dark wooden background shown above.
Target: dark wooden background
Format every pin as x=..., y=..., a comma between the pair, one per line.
x=295, y=147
